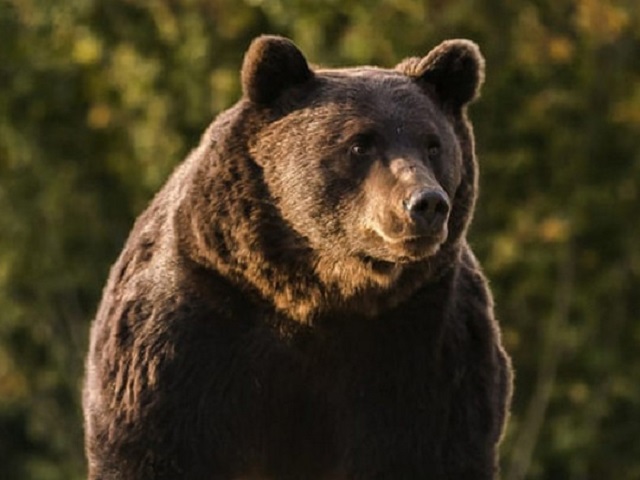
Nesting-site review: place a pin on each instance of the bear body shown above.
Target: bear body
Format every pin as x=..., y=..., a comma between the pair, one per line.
x=299, y=301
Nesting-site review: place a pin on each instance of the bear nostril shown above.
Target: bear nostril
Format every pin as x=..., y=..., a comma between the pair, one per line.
x=428, y=205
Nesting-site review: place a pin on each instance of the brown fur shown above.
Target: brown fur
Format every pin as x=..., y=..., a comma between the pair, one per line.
x=280, y=311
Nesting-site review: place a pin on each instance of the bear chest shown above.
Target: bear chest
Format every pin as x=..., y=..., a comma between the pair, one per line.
x=382, y=400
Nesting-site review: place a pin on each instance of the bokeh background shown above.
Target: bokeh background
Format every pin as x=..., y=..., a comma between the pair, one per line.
x=100, y=99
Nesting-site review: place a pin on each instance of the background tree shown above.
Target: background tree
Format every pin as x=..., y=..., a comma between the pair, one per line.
x=100, y=99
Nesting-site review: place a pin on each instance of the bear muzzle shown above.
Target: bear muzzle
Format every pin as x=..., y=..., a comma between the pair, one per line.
x=413, y=226
x=407, y=212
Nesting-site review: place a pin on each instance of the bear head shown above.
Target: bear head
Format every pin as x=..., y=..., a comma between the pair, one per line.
x=367, y=175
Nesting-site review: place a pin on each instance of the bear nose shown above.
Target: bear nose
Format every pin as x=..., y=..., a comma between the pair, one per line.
x=429, y=207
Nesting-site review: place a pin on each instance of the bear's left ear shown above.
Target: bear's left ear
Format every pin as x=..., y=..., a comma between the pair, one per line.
x=453, y=71
x=271, y=65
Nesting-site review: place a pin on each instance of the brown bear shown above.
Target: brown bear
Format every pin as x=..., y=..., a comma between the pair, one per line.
x=299, y=301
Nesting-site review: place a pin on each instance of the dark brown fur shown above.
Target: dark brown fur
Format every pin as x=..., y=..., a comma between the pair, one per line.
x=276, y=312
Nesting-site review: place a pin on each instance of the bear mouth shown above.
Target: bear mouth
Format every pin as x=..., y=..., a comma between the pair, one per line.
x=408, y=250
x=387, y=252
x=382, y=267
x=422, y=247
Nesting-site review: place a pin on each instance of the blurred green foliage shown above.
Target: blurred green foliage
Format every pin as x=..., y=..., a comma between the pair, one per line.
x=99, y=100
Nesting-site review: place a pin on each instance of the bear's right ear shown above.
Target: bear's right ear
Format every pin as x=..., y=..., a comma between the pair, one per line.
x=271, y=65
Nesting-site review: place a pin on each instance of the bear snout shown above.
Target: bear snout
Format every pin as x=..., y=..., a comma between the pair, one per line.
x=428, y=209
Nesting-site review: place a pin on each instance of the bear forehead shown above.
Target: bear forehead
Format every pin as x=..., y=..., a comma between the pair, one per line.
x=378, y=96
x=369, y=81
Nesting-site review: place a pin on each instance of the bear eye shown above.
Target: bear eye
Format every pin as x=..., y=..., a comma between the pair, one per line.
x=433, y=151
x=363, y=146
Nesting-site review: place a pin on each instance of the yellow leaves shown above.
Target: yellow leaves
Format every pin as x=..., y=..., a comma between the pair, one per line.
x=601, y=19
x=537, y=44
x=416, y=10
x=133, y=74
x=511, y=245
x=13, y=385
x=560, y=49
x=511, y=338
x=164, y=20
x=139, y=107
x=223, y=83
x=357, y=43
x=548, y=229
x=87, y=49
x=547, y=103
x=528, y=34
x=99, y=116
x=627, y=110
x=505, y=252
x=554, y=230
x=628, y=189
x=579, y=393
